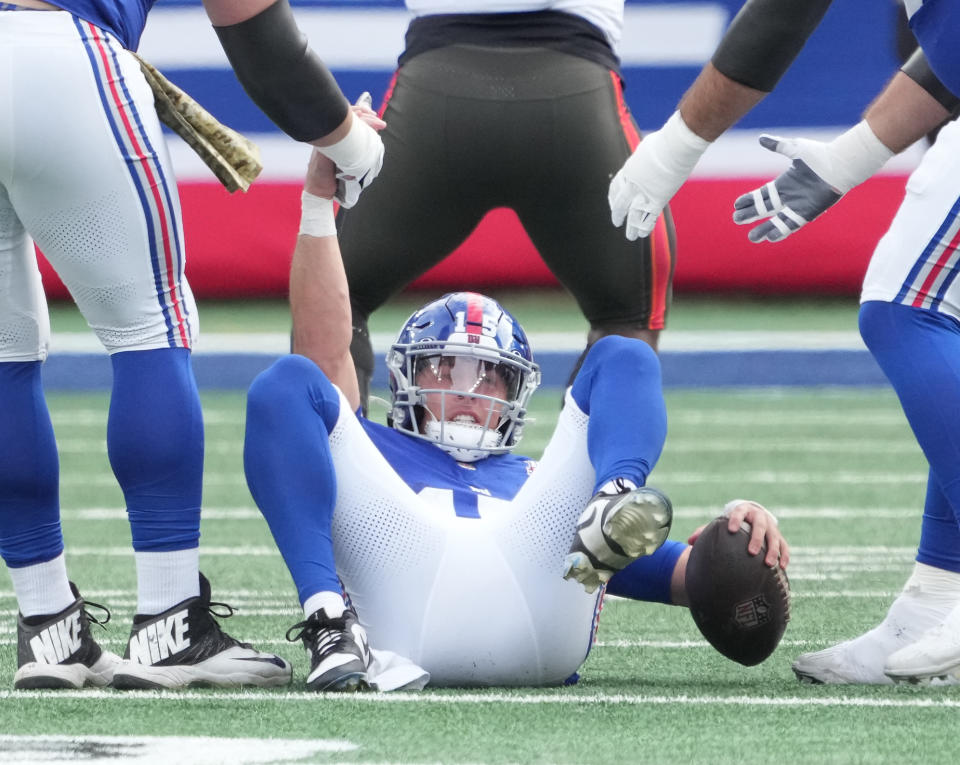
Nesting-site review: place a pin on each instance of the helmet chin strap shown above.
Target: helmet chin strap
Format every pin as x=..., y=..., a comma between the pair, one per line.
x=464, y=441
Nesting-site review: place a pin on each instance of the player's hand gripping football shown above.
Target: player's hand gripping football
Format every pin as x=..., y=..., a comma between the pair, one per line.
x=820, y=174
x=359, y=155
x=651, y=176
x=763, y=530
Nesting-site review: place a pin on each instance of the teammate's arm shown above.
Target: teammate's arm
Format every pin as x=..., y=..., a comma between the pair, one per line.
x=294, y=88
x=822, y=172
x=758, y=47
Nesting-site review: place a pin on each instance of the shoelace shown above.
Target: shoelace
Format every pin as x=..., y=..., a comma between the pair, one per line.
x=226, y=613
x=91, y=618
x=321, y=637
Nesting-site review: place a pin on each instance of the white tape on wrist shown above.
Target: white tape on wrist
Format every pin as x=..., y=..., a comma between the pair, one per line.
x=684, y=147
x=354, y=148
x=858, y=154
x=316, y=215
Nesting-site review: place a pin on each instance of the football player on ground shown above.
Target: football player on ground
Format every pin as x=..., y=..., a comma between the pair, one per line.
x=910, y=304
x=84, y=173
x=457, y=555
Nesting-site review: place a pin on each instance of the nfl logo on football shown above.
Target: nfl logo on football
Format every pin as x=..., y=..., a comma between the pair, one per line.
x=752, y=613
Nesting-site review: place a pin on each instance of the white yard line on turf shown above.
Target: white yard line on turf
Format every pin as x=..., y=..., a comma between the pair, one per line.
x=497, y=697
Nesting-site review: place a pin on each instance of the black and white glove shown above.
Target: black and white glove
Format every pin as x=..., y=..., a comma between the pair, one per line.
x=358, y=157
x=650, y=177
x=820, y=174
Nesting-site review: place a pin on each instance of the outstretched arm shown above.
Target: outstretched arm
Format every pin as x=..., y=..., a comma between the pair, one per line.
x=294, y=88
x=756, y=50
x=319, y=295
x=911, y=105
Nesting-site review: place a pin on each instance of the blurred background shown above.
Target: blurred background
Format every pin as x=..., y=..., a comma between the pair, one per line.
x=239, y=245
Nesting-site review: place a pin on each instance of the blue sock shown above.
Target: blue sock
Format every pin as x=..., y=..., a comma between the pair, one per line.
x=919, y=351
x=291, y=409
x=648, y=578
x=155, y=444
x=29, y=469
x=619, y=387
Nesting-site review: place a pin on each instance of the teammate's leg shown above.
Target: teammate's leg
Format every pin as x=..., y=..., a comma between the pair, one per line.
x=102, y=205
x=919, y=351
x=291, y=410
x=31, y=540
x=909, y=293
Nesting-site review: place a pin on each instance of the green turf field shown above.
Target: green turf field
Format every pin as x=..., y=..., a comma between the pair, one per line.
x=839, y=467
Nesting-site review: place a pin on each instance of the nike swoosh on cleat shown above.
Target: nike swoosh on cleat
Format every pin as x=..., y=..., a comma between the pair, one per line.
x=275, y=660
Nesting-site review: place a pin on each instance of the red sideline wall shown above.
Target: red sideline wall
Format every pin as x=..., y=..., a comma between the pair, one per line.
x=239, y=245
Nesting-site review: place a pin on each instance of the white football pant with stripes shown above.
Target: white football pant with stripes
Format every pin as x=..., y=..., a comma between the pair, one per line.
x=90, y=181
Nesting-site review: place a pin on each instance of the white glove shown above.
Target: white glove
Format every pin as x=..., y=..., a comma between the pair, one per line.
x=358, y=157
x=651, y=175
x=821, y=173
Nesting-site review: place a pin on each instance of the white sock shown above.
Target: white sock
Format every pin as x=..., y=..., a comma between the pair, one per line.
x=331, y=602
x=165, y=579
x=42, y=589
x=932, y=584
x=927, y=597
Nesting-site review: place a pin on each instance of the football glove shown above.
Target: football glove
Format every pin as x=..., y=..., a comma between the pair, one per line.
x=651, y=175
x=820, y=174
x=358, y=157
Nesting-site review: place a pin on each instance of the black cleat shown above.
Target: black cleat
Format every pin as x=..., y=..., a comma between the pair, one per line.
x=59, y=652
x=338, y=651
x=185, y=647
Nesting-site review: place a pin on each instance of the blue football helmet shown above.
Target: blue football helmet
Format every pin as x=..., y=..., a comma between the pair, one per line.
x=461, y=374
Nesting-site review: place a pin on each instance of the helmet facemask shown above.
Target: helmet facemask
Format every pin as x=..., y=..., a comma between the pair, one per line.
x=468, y=399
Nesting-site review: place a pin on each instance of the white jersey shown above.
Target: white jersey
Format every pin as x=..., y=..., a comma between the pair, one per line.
x=607, y=15
x=474, y=594
x=917, y=261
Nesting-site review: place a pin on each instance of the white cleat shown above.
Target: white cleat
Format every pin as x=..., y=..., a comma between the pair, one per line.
x=852, y=662
x=620, y=524
x=934, y=657
x=860, y=661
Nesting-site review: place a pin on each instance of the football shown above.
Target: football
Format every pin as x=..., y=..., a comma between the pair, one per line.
x=740, y=604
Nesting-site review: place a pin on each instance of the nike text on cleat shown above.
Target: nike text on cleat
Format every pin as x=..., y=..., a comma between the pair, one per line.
x=58, y=651
x=185, y=647
x=620, y=524
x=337, y=649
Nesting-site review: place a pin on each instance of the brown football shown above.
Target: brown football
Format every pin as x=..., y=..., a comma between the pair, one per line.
x=738, y=602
